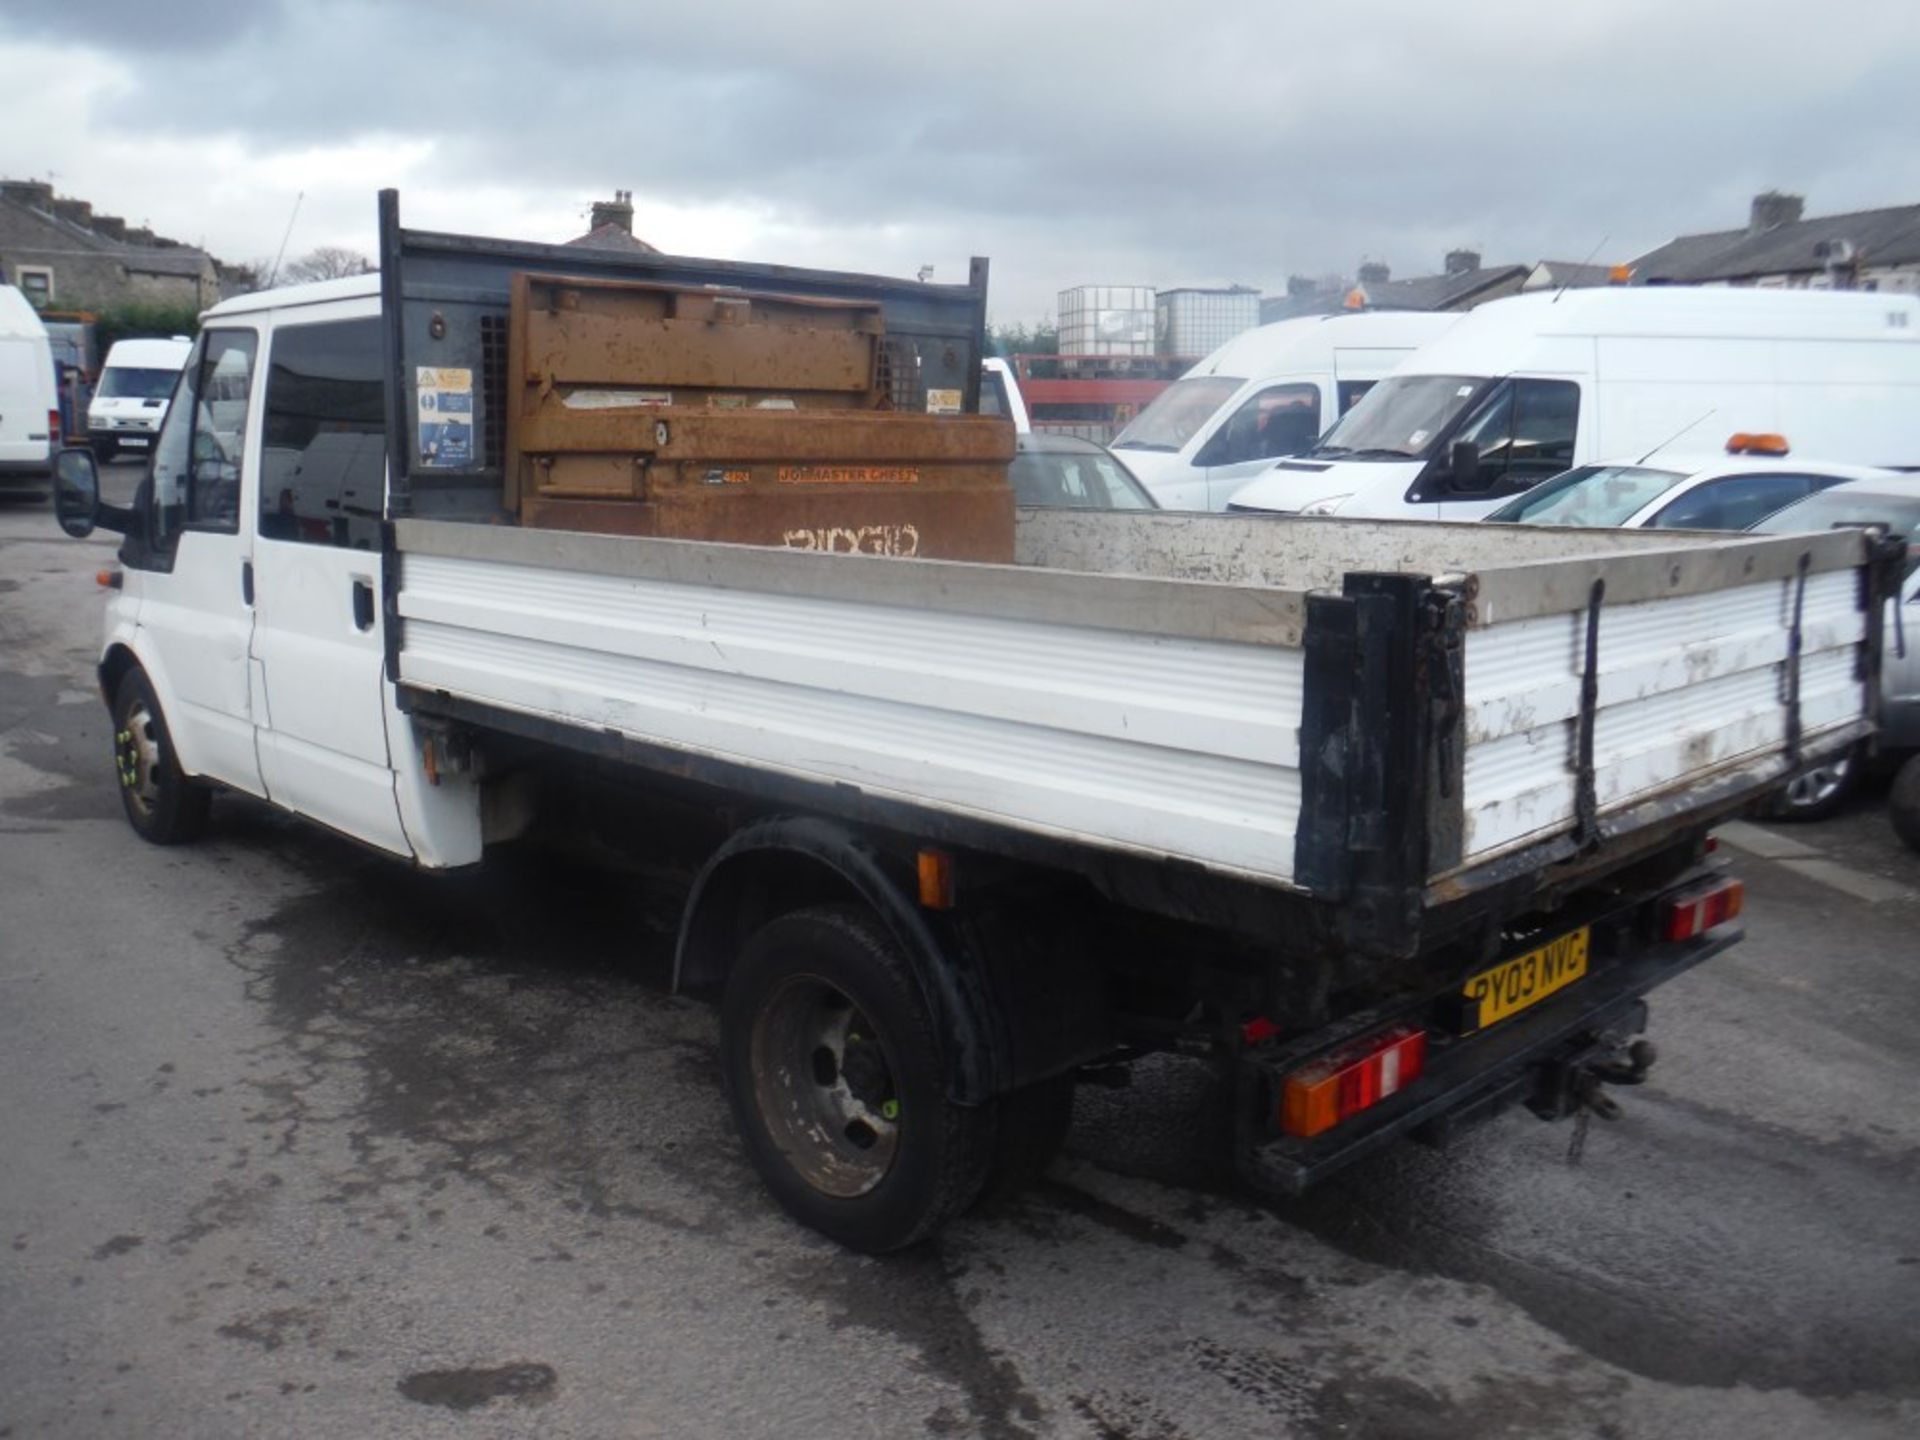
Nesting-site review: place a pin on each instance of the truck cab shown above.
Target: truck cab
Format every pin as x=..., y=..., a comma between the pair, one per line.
x=249, y=611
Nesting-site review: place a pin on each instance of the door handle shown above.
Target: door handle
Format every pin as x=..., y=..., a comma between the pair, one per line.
x=363, y=604
x=246, y=581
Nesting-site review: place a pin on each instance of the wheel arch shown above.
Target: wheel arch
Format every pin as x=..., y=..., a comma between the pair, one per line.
x=121, y=656
x=783, y=863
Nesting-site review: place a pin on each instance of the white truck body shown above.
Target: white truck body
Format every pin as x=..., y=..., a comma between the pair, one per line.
x=1313, y=369
x=1135, y=682
x=1542, y=383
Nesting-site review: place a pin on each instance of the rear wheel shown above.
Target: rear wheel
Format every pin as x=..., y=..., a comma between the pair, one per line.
x=162, y=804
x=1820, y=792
x=1903, y=803
x=834, y=1072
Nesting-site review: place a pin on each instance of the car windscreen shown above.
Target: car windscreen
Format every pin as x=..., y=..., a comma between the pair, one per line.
x=1590, y=495
x=1076, y=479
x=1177, y=413
x=1899, y=513
x=127, y=382
x=1401, y=418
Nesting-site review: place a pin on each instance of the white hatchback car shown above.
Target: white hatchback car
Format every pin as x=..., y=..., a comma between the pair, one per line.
x=1756, y=476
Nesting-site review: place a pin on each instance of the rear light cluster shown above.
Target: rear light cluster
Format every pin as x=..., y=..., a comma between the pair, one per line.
x=1684, y=916
x=1351, y=1079
x=53, y=428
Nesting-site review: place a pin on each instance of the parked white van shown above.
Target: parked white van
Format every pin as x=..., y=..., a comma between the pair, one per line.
x=1526, y=387
x=29, y=404
x=130, y=400
x=1268, y=392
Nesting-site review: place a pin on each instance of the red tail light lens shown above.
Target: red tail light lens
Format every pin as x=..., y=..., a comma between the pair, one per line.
x=1684, y=916
x=53, y=428
x=1353, y=1078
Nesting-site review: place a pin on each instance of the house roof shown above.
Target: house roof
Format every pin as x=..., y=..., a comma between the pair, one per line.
x=1573, y=274
x=169, y=258
x=1422, y=292
x=1882, y=237
x=611, y=236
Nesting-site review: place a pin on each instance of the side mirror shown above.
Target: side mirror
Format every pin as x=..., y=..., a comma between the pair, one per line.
x=1463, y=468
x=76, y=491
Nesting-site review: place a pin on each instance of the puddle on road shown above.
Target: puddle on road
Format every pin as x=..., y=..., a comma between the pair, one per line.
x=526, y=1381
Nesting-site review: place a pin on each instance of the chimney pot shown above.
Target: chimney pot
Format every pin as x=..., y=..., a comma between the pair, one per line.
x=617, y=211
x=1374, y=272
x=1460, y=262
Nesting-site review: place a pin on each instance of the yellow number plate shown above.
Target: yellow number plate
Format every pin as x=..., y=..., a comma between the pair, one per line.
x=1513, y=985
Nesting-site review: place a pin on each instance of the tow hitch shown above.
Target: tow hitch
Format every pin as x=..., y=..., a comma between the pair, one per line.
x=1574, y=1085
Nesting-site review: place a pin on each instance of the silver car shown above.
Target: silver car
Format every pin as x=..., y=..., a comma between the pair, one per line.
x=1896, y=505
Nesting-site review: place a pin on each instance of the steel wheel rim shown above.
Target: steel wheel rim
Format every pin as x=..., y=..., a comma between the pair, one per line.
x=136, y=755
x=1818, y=785
x=823, y=1082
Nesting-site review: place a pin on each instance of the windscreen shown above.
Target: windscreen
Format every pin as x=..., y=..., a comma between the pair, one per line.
x=1592, y=495
x=127, y=382
x=1401, y=418
x=1177, y=413
x=1076, y=479
x=1899, y=513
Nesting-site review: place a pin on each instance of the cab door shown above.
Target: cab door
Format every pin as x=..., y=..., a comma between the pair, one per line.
x=1275, y=421
x=319, y=631
x=192, y=564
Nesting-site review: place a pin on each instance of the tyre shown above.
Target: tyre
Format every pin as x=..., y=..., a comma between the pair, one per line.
x=162, y=804
x=1903, y=803
x=104, y=450
x=835, y=1074
x=1820, y=792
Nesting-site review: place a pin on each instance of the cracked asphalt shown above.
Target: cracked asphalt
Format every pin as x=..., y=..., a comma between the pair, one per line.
x=296, y=1142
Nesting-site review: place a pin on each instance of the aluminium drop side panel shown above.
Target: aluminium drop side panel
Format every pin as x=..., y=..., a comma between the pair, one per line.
x=1688, y=685
x=976, y=690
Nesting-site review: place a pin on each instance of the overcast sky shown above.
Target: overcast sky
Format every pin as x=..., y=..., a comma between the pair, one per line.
x=1164, y=144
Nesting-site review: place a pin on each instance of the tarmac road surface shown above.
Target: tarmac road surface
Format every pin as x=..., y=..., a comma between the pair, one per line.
x=296, y=1142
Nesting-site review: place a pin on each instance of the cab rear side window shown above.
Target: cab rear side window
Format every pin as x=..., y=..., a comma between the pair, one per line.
x=323, y=454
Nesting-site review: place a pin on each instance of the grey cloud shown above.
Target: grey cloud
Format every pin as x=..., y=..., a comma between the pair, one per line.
x=1228, y=140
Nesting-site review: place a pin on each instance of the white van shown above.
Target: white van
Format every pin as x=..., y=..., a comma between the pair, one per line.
x=29, y=403
x=130, y=400
x=1265, y=393
x=1529, y=386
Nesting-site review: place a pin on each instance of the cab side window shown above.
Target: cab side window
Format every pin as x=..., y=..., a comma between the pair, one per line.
x=1735, y=502
x=1279, y=420
x=323, y=444
x=1525, y=432
x=198, y=460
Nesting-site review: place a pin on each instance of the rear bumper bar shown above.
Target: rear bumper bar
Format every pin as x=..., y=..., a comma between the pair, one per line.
x=1469, y=1074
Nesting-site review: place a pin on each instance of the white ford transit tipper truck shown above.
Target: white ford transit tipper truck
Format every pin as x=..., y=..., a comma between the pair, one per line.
x=1526, y=387
x=1395, y=823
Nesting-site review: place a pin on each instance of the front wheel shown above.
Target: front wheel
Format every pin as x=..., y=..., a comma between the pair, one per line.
x=834, y=1072
x=104, y=450
x=162, y=804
